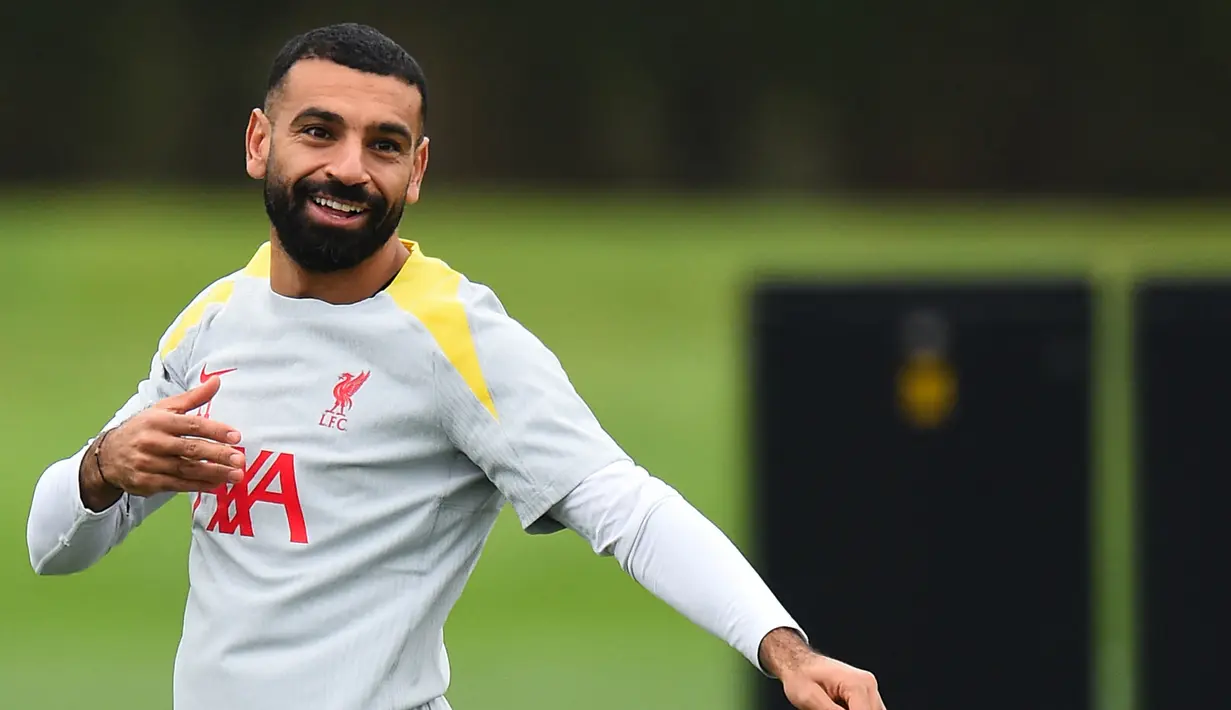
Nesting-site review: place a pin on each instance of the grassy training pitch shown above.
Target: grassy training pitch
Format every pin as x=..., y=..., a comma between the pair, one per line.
x=641, y=299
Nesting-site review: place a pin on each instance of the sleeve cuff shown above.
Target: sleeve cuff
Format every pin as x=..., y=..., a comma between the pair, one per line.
x=535, y=519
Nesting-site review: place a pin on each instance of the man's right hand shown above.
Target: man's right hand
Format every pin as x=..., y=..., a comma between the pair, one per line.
x=162, y=449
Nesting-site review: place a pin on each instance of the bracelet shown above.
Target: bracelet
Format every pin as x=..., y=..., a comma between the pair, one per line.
x=98, y=458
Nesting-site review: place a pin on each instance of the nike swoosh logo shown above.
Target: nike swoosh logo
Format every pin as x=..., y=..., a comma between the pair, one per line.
x=206, y=375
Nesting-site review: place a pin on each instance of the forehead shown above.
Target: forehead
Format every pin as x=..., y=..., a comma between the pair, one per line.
x=357, y=96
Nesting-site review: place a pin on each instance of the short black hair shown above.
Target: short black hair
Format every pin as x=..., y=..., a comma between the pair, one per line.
x=352, y=45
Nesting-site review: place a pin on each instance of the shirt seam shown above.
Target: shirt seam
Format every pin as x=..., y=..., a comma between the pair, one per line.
x=538, y=491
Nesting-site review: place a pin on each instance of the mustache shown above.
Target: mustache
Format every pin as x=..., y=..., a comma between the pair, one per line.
x=337, y=190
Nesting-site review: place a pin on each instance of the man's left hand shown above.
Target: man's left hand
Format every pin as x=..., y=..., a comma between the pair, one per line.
x=812, y=681
x=822, y=683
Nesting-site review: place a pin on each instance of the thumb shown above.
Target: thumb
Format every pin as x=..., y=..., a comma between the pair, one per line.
x=193, y=398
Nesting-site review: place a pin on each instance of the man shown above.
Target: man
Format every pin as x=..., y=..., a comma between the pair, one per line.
x=349, y=416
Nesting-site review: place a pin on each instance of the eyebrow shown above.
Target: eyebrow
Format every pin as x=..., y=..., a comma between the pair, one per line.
x=321, y=114
x=396, y=129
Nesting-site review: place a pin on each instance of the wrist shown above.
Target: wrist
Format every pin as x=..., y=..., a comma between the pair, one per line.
x=97, y=493
x=783, y=651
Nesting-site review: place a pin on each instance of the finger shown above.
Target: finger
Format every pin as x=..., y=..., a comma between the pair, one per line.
x=203, y=450
x=860, y=698
x=193, y=449
x=147, y=484
x=188, y=425
x=193, y=398
x=171, y=456
x=212, y=473
x=818, y=699
x=204, y=472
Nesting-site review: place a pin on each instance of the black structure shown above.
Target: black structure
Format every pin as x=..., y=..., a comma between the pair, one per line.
x=922, y=470
x=1183, y=366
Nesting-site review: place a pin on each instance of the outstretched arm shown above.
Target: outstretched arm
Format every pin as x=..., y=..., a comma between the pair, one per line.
x=672, y=550
x=507, y=403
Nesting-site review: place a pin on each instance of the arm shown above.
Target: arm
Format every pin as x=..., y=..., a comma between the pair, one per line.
x=672, y=550
x=88, y=503
x=509, y=406
x=75, y=517
x=151, y=449
x=678, y=555
x=535, y=438
x=519, y=418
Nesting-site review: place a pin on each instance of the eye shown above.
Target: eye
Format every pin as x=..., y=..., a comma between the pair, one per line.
x=318, y=132
x=387, y=146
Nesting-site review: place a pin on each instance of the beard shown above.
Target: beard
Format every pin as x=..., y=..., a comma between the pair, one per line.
x=323, y=248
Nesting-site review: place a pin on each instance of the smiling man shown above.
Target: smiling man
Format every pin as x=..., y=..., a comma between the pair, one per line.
x=349, y=416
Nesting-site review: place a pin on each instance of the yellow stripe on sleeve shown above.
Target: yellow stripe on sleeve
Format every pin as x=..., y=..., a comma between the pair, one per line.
x=427, y=289
x=218, y=293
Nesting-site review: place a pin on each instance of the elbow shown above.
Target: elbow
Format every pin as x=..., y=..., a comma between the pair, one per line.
x=61, y=536
x=51, y=558
x=630, y=522
x=41, y=542
x=42, y=560
x=56, y=550
x=39, y=564
x=50, y=567
x=45, y=553
x=40, y=545
x=49, y=544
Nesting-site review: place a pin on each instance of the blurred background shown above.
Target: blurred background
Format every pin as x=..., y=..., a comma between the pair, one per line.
x=622, y=175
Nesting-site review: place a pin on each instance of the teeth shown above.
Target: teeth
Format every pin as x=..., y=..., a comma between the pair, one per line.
x=332, y=204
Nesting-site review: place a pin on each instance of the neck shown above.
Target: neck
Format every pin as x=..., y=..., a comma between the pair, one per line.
x=288, y=279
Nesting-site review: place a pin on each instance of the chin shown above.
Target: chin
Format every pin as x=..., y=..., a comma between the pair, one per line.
x=325, y=246
x=326, y=250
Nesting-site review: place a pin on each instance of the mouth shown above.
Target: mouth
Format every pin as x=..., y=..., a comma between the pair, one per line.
x=336, y=212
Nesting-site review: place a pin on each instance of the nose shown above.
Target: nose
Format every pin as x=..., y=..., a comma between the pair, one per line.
x=347, y=166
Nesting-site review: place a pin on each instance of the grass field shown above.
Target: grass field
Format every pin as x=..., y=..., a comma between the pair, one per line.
x=641, y=299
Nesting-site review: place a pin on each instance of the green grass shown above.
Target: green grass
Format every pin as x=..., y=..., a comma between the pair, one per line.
x=641, y=299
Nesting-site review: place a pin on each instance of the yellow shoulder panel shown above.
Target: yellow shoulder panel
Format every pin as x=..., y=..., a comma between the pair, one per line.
x=258, y=266
x=218, y=293
x=427, y=289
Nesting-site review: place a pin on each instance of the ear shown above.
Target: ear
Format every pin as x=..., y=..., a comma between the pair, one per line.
x=417, y=171
x=256, y=144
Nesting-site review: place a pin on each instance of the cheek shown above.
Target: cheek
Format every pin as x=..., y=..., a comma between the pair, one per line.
x=393, y=185
x=292, y=163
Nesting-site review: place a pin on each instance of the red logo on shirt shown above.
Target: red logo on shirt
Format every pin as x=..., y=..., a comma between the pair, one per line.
x=343, y=392
x=205, y=375
x=235, y=502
